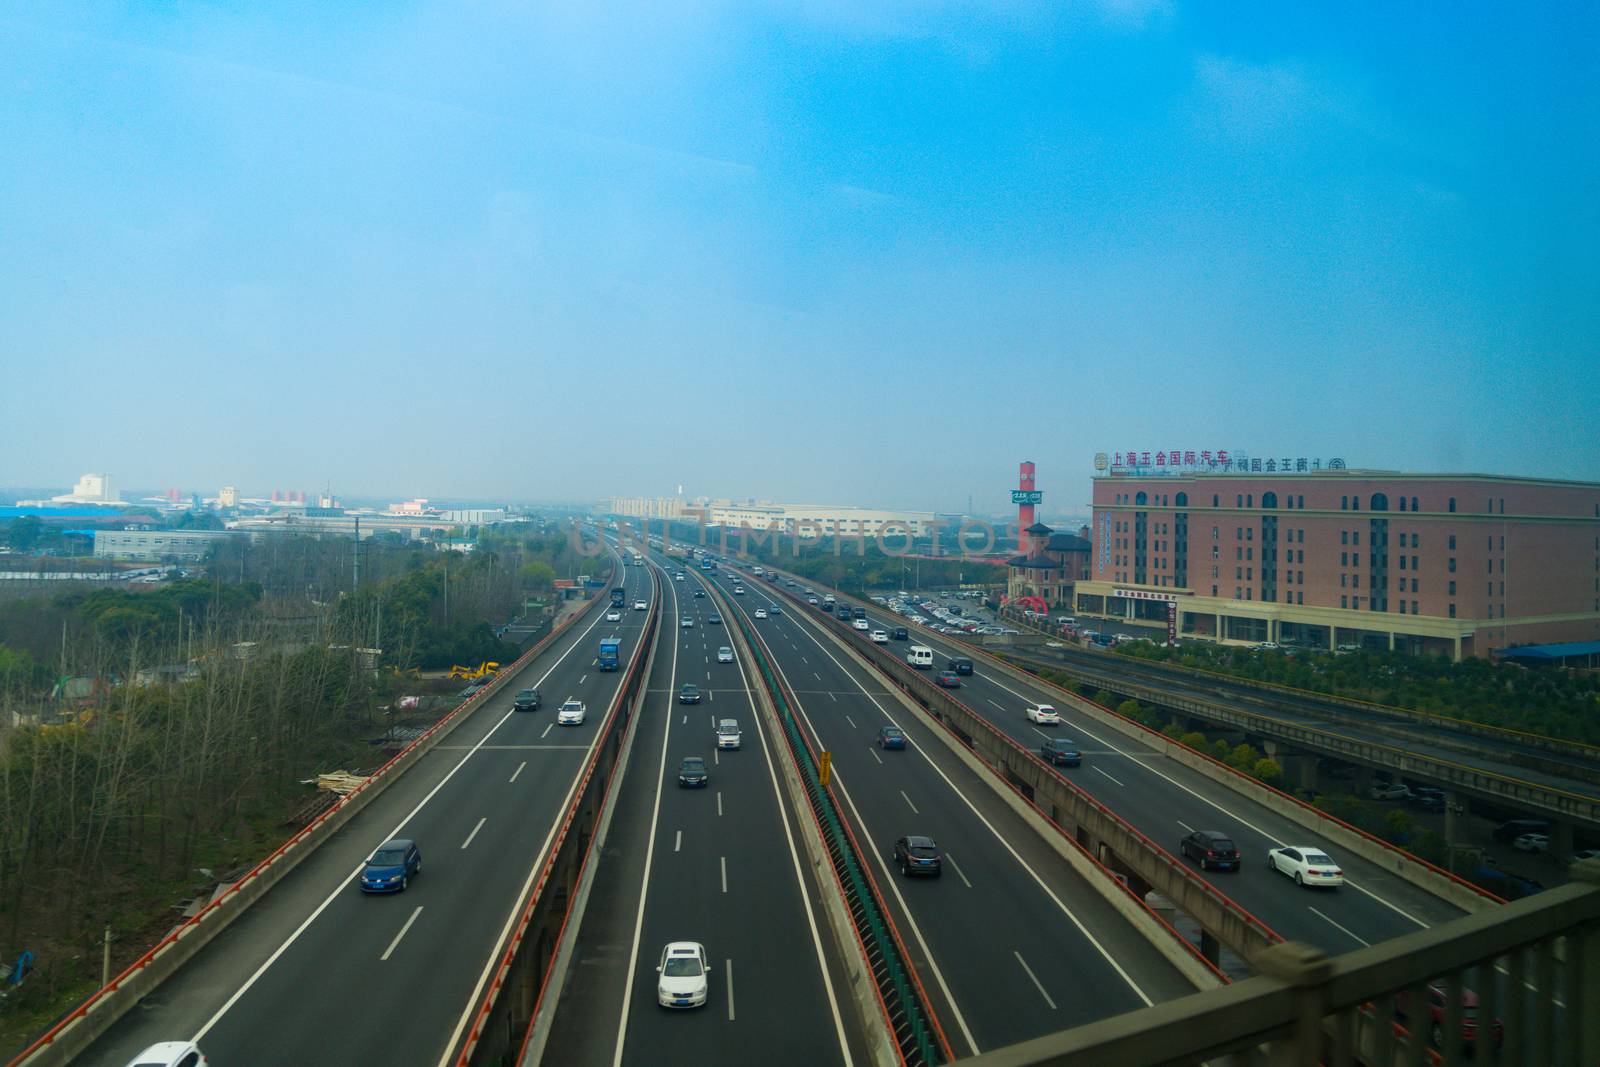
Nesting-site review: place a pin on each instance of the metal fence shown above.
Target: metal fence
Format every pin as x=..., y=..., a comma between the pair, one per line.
x=1517, y=985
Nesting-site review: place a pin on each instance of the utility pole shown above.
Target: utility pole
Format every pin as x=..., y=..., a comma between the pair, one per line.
x=357, y=584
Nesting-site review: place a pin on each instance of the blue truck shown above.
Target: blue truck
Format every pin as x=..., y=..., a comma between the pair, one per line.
x=610, y=653
x=616, y=597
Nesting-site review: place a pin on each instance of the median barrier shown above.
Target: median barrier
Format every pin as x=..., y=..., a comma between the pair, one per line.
x=72, y=1035
x=502, y=1024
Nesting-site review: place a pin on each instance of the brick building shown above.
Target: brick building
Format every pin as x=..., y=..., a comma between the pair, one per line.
x=1450, y=564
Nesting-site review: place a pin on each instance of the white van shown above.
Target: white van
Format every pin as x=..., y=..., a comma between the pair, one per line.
x=728, y=733
x=920, y=657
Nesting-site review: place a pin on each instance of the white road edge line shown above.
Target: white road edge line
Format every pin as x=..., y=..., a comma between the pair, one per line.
x=390, y=950
x=475, y=830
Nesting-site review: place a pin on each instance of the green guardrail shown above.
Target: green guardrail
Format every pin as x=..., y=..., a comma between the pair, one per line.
x=914, y=1031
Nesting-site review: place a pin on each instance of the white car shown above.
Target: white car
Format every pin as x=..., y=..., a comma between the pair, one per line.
x=684, y=975
x=1532, y=843
x=678, y=577
x=1043, y=714
x=613, y=615
x=880, y=637
x=170, y=1054
x=861, y=624
x=687, y=623
x=1306, y=864
x=571, y=713
x=1389, y=791
x=761, y=613
x=724, y=654
x=640, y=605
x=1267, y=646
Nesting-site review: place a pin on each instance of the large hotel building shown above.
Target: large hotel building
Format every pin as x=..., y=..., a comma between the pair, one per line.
x=1436, y=563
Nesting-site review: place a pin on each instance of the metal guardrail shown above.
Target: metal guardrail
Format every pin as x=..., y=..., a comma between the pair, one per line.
x=918, y=1036
x=1492, y=979
x=511, y=1001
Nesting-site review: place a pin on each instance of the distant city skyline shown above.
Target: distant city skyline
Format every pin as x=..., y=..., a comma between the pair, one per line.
x=867, y=254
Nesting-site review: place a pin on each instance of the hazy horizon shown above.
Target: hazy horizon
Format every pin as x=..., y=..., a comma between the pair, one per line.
x=815, y=252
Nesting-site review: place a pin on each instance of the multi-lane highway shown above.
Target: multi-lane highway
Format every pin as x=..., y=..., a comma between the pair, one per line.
x=1167, y=800
x=721, y=865
x=1010, y=940
x=318, y=972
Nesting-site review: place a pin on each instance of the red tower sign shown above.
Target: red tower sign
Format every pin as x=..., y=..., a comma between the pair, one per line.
x=1025, y=496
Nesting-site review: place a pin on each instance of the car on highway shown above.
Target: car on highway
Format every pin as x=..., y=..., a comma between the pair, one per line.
x=1427, y=798
x=880, y=637
x=170, y=1054
x=613, y=615
x=1507, y=832
x=1436, y=1014
x=724, y=654
x=1532, y=843
x=1308, y=865
x=738, y=590
x=1389, y=791
x=813, y=600
x=714, y=619
x=699, y=594
x=571, y=713
x=640, y=605
x=948, y=680
x=959, y=665
x=678, y=577
x=687, y=623
x=916, y=854
x=1061, y=752
x=1585, y=854
x=1042, y=715
x=684, y=976
x=527, y=700
x=900, y=633
x=776, y=609
x=861, y=624
x=1267, y=646
x=761, y=613
x=891, y=737
x=391, y=868
x=689, y=693
x=1211, y=848
x=692, y=772
x=728, y=735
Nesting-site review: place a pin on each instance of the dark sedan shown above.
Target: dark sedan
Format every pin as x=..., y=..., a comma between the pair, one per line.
x=891, y=737
x=689, y=694
x=1061, y=752
x=692, y=772
x=1211, y=849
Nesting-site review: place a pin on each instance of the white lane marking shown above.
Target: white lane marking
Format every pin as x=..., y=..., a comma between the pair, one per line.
x=1036, y=983
x=997, y=704
x=1364, y=942
x=727, y=965
x=719, y=802
x=716, y=756
x=1072, y=916
x=677, y=841
x=686, y=720
x=309, y=919
x=833, y=698
x=475, y=830
x=390, y=950
x=722, y=864
x=910, y=805
x=851, y=721
x=1038, y=731
x=1103, y=774
x=518, y=771
x=952, y=861
x=800, y=881
x=1136, y=760
x=817, y=676
x=1186, y=826
x=546, y=733
x=874, y=753
x=711, y=694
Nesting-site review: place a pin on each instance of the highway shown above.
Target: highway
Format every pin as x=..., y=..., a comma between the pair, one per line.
x=720, y=865
x=318, y=972
x=1010, y=941
x=1436, y=741
x=1166, y=801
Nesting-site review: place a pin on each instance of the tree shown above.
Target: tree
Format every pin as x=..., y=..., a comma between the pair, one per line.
x=538, y=576
x=23, y=534
x=1267, y=770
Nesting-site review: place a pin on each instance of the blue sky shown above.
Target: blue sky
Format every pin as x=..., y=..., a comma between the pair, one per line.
x=819, y=251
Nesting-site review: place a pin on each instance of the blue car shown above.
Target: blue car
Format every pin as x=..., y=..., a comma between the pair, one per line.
x=891, y=737
x=392, y=867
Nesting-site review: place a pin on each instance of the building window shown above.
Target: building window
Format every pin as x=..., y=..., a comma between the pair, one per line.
x=1301, y=504
x=1414, y=610
x=1269, y=500
x=1344, y=503
x=1344, y=581
x=1490, y=562
x=1402, y=563
x=1250, y=533
x=1402, y=508
x=1414, y=562
x=1452, y=508
x=1214, y=500
x=1238, y=592
x=1355, y=581
x=1452, y=611
x=1300, y=577
x=1502, y=588
x=1238, y=500
x=1344, y=602
x=1402, y=603
x=1452, y=588
x=1355, y=538
x=1250, y=574
x=1344, y=537
x=1502, y=542
x=1214, y=535
x=1452, y=567
x=1355, y=503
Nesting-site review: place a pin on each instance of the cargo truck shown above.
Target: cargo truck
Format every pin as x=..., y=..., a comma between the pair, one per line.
x=610, y=648
x=616, y=597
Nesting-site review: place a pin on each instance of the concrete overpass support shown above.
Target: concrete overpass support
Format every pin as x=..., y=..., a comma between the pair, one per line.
x=1299, y=768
